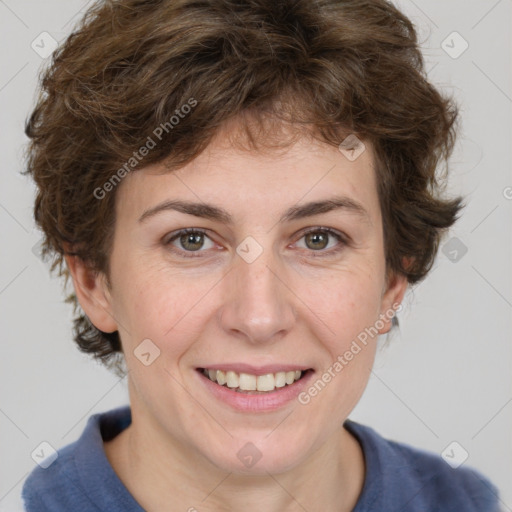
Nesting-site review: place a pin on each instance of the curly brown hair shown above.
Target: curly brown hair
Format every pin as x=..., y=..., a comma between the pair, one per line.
x=327, y=67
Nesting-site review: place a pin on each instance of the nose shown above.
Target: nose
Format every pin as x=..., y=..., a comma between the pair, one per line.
x=258, y=306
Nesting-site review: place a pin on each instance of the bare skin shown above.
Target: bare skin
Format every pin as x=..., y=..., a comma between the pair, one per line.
x=302, y=301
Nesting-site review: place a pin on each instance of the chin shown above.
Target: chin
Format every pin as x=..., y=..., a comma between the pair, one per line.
x=257, y=458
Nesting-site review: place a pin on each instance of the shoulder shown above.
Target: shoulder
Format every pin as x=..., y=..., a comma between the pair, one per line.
x=461, y=488
x=81, y=478
x=398, y=475
x=56, y=487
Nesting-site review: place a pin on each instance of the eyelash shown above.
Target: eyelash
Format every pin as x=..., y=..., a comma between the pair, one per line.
x=191, y=254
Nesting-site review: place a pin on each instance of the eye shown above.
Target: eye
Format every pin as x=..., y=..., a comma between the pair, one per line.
x=319, y=239
x=189, y=240
x=185, y=242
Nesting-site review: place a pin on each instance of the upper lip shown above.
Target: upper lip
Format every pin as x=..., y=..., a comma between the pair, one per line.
x=256, y=370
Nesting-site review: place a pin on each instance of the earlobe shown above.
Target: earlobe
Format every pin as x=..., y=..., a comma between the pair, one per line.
x=392, y=299
x=92, y=293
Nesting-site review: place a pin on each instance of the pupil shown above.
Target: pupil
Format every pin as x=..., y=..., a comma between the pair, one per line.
x=196, y=239
x=193, y=239
x=317, y=237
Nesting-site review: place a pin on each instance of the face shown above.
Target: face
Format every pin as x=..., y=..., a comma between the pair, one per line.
x=266, y=281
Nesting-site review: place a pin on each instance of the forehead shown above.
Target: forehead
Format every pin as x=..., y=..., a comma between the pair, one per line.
x=263, y=180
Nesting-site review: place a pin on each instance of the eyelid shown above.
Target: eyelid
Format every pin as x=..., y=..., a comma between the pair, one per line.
x=324, y=229
x=179, y=232
x=340, y=236
x=171, y=237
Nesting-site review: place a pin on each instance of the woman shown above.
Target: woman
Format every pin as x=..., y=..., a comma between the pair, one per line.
x=241, y=193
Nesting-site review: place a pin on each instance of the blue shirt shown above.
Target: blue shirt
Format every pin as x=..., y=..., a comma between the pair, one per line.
x=398, y=477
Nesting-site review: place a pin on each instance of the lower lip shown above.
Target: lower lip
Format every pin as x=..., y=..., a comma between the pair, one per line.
x=245, y=402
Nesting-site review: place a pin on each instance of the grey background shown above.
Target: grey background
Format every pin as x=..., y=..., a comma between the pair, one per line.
x=445, y=377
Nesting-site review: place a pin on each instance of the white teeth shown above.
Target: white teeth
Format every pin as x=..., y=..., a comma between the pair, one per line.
x=221, y=377
x=248, y=382
x=280, y=379
x=232, y=379
x=266, y=382
x=290, y=377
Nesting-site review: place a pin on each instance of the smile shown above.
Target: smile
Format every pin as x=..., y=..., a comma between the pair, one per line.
x=249, y=383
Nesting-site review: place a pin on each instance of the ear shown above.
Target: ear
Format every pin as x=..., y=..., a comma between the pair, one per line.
x=391, y=299
x=92, y=292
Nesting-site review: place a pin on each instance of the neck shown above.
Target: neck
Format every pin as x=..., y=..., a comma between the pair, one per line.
x=158, y=471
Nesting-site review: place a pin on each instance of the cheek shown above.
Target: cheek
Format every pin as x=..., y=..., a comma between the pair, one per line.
x=347, y=305
x=348, y=310
x=344, y=304
x=162, y=305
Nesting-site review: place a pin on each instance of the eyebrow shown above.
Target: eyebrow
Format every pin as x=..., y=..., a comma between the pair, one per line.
x=216, y=213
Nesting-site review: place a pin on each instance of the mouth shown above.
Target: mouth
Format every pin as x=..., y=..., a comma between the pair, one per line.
x=251, y=384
